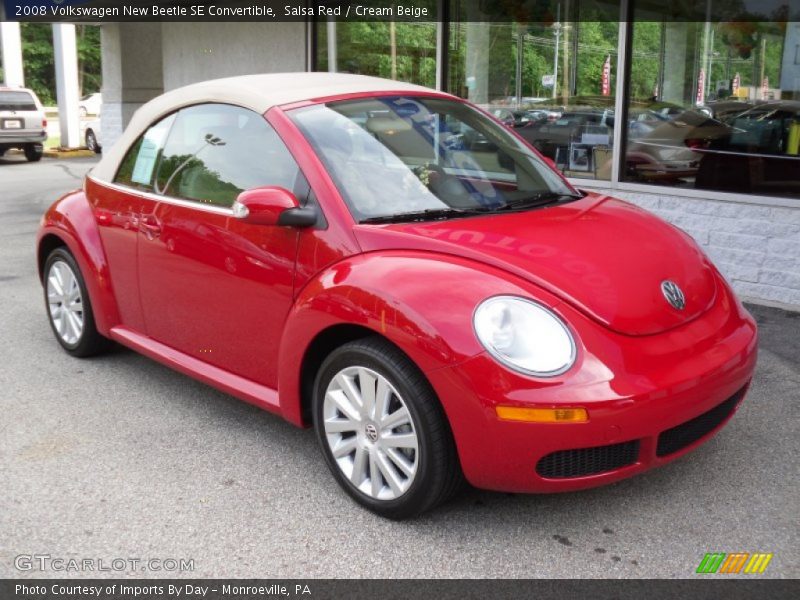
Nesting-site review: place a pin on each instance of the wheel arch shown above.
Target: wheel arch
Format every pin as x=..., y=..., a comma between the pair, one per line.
x=48, y=243
x=70, y=223
x=388, y=294
x=325, y=342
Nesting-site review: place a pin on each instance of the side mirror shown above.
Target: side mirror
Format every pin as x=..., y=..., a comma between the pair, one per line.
x=272, y=205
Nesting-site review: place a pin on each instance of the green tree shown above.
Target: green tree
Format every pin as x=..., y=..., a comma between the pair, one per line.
x=38, y=59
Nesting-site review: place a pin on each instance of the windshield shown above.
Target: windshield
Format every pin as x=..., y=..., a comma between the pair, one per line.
x=393, y=156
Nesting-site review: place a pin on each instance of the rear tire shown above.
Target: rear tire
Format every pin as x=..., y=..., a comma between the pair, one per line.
x=33, y=152
x=68, y=306
x=395, y=453
x=91, y=141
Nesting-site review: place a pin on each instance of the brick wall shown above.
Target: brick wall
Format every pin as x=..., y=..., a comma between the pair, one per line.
x=756, y=247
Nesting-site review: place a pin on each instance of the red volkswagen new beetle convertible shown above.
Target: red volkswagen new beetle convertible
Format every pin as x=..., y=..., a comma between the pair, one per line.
x=393, y=266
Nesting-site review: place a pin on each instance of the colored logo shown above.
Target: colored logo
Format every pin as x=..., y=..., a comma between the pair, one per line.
x=736, y=562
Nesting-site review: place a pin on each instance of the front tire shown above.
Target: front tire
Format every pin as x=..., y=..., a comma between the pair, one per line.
x=382, y=430
x=69, y=308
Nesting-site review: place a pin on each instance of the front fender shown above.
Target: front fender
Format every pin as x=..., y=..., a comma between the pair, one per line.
x=420, y=301
x=71, y=220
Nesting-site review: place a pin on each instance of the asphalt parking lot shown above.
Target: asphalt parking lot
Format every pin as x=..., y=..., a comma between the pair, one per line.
x=120, y=457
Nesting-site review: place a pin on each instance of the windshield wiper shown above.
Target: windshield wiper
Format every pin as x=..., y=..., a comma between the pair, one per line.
x=538, y=200
x=429, y=214
x=434, y=214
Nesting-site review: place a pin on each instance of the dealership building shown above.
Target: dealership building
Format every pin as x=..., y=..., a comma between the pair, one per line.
x=693, y=116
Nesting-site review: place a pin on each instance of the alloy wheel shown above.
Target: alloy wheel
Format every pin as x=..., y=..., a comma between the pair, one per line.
x=370, y=433
x=65, y=302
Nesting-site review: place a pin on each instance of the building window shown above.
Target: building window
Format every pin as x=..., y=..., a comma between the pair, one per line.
x=393, y=50
x=551, y=78
x=713, y=105
x=708, y=105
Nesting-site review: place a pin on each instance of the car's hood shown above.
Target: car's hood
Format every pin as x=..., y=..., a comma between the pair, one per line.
x=604, y=256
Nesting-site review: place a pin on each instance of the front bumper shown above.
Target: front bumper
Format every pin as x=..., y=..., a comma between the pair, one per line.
x=650, y=400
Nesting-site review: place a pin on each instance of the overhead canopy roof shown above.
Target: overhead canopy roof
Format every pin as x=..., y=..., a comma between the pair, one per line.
x=256, y=92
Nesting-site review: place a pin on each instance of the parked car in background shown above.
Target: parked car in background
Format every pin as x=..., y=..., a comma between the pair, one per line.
x=92, y=135
x=570, y=127
x=22, y=122
x=642, y=121
x=758, y=153
x=725, y=110
x=313, y=244
x=90, y=104
x=503, y=114
x=673, y=149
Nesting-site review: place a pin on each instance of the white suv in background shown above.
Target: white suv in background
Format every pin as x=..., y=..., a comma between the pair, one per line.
x=22, y=122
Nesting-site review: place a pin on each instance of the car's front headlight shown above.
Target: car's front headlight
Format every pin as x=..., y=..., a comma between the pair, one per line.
x=524, y=336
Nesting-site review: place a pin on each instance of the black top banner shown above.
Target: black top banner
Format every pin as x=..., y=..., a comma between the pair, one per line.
x=521, y=11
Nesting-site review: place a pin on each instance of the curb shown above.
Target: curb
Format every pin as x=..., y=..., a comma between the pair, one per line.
x=65, y=153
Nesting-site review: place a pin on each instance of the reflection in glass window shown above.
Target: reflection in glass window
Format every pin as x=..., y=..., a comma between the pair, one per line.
x=716, y=105
x=550, y=78
x=393, y=50
x=214, y=152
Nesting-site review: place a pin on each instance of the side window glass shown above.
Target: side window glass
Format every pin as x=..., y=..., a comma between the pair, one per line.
x=215, y=151
x=138, y=167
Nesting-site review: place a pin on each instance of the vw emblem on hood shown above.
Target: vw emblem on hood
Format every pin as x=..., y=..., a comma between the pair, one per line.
x=673, y=294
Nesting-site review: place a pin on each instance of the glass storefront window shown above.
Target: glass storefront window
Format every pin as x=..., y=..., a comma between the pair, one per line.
x=393, y=50
x=708, y=104
x=552, y=79
x=713, y=105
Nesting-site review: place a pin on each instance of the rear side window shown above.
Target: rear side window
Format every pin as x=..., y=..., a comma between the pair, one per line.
x=216, y=151
x=139, y=165
x=17, y=101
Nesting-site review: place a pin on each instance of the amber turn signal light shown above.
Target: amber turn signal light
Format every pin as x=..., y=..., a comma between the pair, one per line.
x=542, y=415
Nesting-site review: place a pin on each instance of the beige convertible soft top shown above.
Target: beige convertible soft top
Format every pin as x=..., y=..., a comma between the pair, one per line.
x=256, y=92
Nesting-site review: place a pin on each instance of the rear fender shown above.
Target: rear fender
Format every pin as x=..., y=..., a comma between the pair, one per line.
x=71, y=220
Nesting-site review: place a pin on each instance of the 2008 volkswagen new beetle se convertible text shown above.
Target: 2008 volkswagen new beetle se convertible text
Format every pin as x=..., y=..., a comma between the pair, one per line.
x=396, y=268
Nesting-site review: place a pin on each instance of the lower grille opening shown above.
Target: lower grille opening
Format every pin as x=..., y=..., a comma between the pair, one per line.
x=685, y=434
x=588, y=461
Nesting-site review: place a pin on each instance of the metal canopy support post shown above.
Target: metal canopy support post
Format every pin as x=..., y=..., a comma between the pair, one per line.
x=332, y=60
x=442, y=43
x=620, y=110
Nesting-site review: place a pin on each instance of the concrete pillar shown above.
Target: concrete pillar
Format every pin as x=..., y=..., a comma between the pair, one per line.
x=133, y=72
x=66, y=59
x=12, y=54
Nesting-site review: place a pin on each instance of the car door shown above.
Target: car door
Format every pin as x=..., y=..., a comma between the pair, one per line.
x=118, y=208
x=212, y=286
